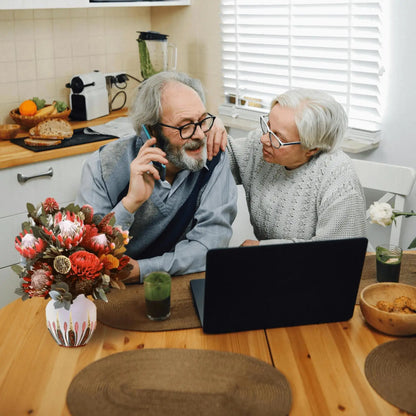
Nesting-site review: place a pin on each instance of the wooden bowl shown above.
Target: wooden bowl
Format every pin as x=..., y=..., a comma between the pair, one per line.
x=391, y=323
x=8, y=131
x=31, y=121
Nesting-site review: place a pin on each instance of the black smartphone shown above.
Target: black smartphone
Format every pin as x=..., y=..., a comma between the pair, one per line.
x=161, y=168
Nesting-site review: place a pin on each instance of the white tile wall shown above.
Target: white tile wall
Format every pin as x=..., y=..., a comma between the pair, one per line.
x=41, y=50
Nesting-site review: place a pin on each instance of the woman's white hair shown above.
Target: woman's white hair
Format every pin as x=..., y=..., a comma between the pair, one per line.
x=321, y=121
x=147, y=107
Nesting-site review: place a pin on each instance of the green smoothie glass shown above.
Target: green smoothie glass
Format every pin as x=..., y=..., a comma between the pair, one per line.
x=157, y=287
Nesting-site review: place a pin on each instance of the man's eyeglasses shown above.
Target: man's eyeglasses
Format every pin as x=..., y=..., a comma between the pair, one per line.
x=188, y=130
x=274, y=139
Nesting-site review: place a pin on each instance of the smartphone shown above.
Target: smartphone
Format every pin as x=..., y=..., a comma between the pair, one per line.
x=161, y=168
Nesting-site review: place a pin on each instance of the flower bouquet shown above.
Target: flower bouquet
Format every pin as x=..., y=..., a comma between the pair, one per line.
x=68, y=252
x=382, y=213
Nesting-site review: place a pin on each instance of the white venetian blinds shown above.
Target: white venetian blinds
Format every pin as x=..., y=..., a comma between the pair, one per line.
x=269, y=46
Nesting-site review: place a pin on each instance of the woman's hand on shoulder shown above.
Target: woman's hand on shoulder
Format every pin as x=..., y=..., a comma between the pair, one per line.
x=216, y=138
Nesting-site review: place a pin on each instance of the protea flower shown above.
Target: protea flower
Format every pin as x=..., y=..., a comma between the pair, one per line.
x=85, y=265
x=95, y=241
x=28, y=245
x=71, y=229
x=39, y=279
x=50, y=206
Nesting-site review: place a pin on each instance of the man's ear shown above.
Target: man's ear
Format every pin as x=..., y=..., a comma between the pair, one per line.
x=312, y=152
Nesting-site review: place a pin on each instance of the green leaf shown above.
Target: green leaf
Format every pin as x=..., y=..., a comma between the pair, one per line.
x=30, y=208
x=17, y=269
x=413, y=244
x=40, y=103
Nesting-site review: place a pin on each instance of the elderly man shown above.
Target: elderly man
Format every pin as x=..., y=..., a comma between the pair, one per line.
x=174, y=216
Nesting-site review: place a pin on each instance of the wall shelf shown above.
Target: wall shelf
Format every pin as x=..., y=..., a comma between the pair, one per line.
x=70, y=4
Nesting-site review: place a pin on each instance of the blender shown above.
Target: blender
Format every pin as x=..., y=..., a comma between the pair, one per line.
x=156, y=54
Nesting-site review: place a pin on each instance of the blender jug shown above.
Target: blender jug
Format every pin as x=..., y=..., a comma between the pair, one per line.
x=155, y=53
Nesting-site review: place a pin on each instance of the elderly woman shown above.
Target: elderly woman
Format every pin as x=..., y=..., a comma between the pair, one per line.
x=299, y=185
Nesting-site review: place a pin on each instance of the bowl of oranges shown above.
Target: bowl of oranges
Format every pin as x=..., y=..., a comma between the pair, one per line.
x=33, y=111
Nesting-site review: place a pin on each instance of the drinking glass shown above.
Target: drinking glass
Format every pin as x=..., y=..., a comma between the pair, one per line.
x=157, y=286
x=388, y=262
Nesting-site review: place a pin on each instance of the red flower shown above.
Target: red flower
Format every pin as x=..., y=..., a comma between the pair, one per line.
x=38, y=280
x=85, y=265
x=123, y=262
x=50, y=206
x=28, y=245
x=94, y=241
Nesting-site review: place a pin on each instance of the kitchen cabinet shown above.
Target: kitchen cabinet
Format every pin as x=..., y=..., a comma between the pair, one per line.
x=57, y=178
x=67, y=4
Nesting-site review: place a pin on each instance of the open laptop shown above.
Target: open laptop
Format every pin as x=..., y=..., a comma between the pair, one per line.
x=280, y=285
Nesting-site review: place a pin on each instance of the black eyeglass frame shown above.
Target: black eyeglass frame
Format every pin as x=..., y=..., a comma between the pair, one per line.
x=263, y=123
x=199, y=123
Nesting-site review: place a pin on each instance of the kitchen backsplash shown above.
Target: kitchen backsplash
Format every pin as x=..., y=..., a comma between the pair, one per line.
x=41, y=50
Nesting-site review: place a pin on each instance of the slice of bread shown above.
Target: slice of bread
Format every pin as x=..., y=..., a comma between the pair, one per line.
x=33, y=141
x=52, y=128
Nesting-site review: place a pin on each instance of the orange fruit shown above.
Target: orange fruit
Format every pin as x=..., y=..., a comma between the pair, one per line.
x=28, y=108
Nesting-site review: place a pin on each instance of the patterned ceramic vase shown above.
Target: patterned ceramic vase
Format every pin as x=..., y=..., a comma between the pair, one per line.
x=75, y=327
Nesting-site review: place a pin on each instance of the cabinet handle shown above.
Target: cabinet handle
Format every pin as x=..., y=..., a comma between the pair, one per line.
x=22, y=178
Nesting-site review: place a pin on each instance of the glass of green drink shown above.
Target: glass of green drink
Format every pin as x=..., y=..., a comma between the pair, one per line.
x=157, y=295
x=388, y=261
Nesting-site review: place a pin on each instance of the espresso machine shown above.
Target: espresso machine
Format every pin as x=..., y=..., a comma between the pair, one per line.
x=90, y=95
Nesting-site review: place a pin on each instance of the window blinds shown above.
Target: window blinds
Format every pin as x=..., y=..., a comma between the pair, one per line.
x=269, y=46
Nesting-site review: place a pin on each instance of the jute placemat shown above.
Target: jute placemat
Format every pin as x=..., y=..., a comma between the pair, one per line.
x=390, y=368
x=179, y=382
x=126, y=308
x=407, y=271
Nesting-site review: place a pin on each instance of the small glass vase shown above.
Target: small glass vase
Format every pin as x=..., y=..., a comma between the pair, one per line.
x=73, y=327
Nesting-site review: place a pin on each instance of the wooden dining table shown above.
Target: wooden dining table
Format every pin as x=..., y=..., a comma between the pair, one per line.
x=324, y=364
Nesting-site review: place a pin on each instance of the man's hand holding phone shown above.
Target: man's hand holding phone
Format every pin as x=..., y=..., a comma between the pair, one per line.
x=143, y=174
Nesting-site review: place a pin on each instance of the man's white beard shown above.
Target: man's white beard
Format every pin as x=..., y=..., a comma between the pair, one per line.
x=182, y=160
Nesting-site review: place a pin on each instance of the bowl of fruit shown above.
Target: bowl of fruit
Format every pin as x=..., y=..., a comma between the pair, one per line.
x=33, y=111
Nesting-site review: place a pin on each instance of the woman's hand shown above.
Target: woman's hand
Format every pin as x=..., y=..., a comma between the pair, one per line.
x=216, y=138
x=143, y=175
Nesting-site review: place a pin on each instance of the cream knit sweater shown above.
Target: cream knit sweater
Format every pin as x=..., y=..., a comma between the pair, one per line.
x=321, y=199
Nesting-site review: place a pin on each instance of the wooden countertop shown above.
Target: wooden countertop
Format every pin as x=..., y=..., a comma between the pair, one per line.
x=13, y=155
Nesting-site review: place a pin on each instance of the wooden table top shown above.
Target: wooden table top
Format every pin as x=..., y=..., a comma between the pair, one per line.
x=324, y=364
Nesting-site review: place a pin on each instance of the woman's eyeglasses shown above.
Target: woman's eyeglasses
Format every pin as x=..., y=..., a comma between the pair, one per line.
x=274, y=139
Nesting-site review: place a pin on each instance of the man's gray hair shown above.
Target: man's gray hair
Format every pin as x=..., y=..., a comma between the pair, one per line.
x=147, y=107
x=321, y=121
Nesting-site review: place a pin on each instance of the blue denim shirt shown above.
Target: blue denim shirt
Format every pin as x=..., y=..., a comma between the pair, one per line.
x=107, y=172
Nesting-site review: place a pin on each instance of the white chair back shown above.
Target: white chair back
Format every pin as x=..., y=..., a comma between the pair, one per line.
x=395, y=181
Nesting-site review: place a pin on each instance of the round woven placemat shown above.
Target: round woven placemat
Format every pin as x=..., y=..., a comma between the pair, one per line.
x=407, y=271
x=126, y=308
x=179, y=382
x=390, y=368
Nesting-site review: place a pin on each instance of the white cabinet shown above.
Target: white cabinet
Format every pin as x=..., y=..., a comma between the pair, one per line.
x=67, y=4
x=57, y=178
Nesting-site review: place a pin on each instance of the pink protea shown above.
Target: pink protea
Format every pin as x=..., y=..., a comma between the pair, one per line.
x=71, y=229
x=28, y=245
x=95, y=241
x=50, y=206
x=39, y=279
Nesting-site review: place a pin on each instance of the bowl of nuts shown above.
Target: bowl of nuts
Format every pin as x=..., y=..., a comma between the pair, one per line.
x=390, y=308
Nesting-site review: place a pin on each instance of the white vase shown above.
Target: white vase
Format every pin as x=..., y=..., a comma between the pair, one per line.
x=75, y=327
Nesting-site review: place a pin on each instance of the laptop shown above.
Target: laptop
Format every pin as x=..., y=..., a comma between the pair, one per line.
x=258, y=287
